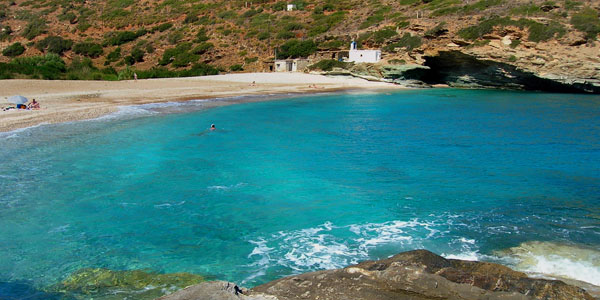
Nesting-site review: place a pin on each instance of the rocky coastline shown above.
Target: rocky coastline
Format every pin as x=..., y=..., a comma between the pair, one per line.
x=414, y=275
x=459, y=69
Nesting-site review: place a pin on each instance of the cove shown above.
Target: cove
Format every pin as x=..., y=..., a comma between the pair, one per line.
x=307, y=183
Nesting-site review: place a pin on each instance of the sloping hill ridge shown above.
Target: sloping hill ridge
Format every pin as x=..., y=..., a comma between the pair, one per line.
x=525, y=44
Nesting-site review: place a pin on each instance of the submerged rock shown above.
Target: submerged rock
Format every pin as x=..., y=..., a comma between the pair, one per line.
x=415, y=275
x=107, y=284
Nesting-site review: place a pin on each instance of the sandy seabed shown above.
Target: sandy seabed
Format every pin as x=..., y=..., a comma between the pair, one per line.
x=72, y=100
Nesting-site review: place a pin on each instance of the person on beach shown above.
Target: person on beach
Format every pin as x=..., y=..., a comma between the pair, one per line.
x=34, y=104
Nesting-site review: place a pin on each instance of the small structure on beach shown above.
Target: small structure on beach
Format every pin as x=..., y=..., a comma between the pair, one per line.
x=291, y=65
x=291, y=7
x=363, y=56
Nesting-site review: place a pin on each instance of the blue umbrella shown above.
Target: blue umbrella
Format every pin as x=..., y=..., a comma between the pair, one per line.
x=17, y=99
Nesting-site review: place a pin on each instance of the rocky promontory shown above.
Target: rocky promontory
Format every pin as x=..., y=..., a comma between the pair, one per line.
x=417, y=275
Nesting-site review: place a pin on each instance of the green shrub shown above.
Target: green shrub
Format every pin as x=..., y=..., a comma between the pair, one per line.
x=527, y=10
x=372, y=20
x=137, y=54
x=162, y=27
x=322, y=23
x=202, y=48
x=286, y=35
x=296, y=48
x=515, y=43
x=436, y=31
x=279, y=6
x=201, y=36
x=113, y=56
x=587, y=21
x=236, y=68
x=512, y=58
x=68, y=16
x=263, y=35
x=5, y=32
x=328, y=65
x=49, y=66
x=13, y=50
x=333, y=45
x=179, y=56
x=382, y=35
x=407, y=41
x=228, y=14
x=250, y=60
x=537, y=32
x=190, y=18
x=543, y=32
x=250, y=13
x=54, y=44
x=88, y=49
x=34, y=28
x=118, y=38
x=174, y=37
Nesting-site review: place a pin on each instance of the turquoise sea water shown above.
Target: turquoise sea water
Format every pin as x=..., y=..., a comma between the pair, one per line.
x=306, y=183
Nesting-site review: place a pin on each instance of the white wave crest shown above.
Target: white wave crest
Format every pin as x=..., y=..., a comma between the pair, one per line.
x=328, y=246
x=547, y=258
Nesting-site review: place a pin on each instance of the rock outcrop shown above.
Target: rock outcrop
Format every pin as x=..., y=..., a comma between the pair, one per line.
x=415, y=275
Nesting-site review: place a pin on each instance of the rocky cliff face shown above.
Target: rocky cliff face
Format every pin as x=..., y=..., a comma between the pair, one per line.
x=418, y=275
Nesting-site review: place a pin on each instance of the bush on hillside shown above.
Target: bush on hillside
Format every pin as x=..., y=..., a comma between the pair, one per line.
x=34, y=28
x=113, y=56
x=88, y=49
x=5, y=32
x=587, y=21
x=201, y=36
x=162, y=27
x=236, y=68
x=296, y=48
x=328, y=65
x=118, y=38
x=202, y=48
x=407, y=42
x=54, y=44
x=279, y=6
x=13, y=50
x=137, y=54
x=436, y=31
x=381, y=36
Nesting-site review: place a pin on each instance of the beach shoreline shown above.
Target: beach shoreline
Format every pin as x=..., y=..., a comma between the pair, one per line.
x=73, y=100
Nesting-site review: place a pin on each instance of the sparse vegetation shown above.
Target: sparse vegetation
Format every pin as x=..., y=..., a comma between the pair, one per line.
x=407, y=42
x=537, y=31
x=35, y=27
x=587, y=21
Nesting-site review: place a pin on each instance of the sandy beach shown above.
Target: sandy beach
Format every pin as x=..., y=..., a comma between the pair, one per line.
x=70, y=100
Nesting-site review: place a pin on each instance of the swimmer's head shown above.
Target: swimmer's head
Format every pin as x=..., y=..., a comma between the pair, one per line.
x=212, y=125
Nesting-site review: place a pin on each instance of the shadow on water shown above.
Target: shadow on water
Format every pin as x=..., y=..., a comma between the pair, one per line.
x=21, y=290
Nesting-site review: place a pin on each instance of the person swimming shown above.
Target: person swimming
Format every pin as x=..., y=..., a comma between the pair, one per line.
x=212, y=127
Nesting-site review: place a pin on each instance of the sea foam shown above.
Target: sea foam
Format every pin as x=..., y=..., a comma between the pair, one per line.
x=561, y=260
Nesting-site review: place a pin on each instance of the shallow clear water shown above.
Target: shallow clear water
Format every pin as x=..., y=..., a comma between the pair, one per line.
x=308, y=183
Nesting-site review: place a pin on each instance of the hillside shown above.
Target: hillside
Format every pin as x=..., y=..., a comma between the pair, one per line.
x=109, y=39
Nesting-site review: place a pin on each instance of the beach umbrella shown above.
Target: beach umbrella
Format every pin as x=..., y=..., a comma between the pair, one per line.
x=18, y=99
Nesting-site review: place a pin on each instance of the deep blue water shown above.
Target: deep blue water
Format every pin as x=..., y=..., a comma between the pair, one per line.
x=308, y=183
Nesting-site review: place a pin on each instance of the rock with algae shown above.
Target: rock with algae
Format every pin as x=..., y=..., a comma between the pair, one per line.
x=105, y=284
